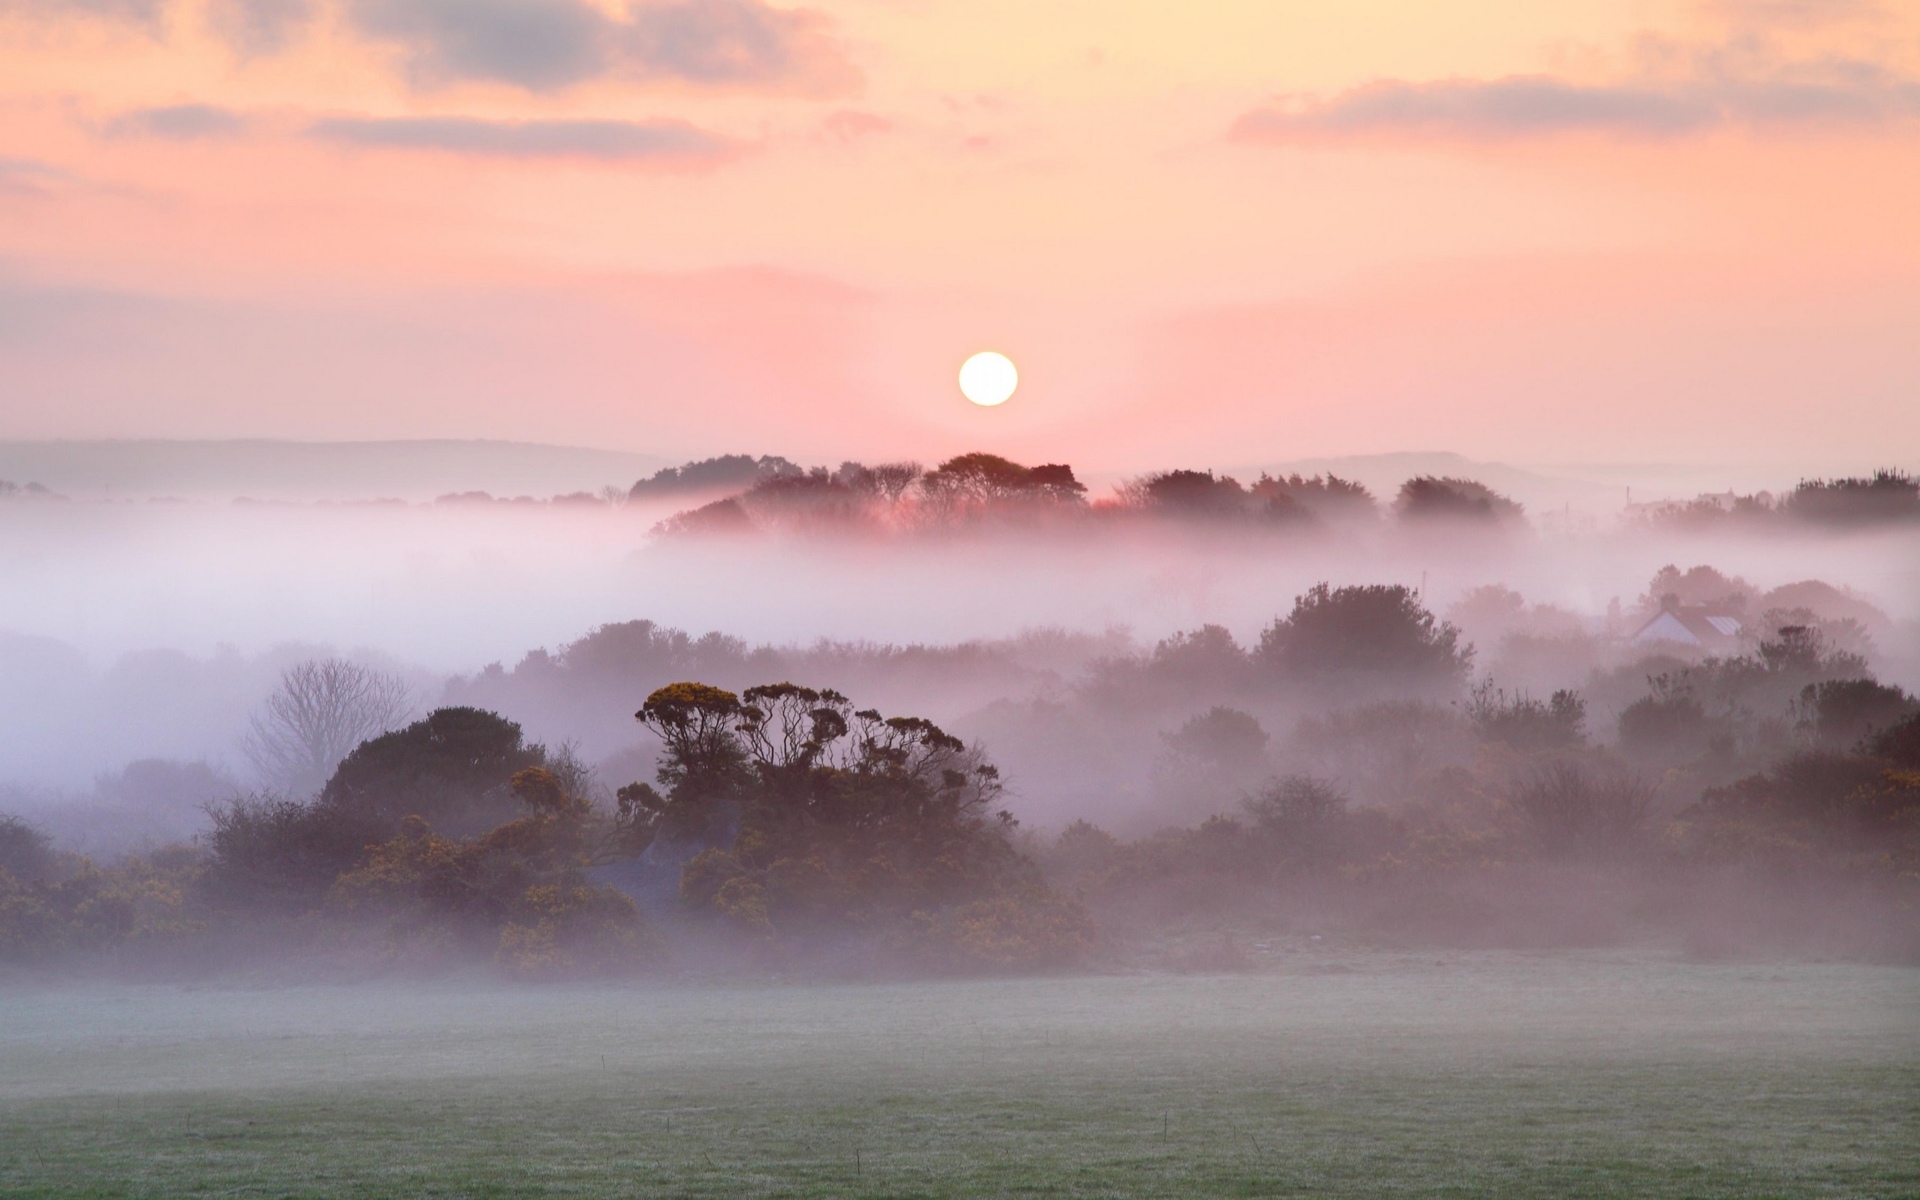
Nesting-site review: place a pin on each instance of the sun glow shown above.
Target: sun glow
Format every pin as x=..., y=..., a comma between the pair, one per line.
x=988, y=378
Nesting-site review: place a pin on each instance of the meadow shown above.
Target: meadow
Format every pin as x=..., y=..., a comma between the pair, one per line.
x=1331, y=1071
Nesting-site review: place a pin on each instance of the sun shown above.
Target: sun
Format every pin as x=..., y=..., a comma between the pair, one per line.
x=988, y=378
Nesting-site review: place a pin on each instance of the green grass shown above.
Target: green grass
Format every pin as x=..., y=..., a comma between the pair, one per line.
x=1563, y=1075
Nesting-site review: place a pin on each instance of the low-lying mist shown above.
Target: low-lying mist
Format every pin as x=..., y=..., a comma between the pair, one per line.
x=143, y=630
x=973, y=721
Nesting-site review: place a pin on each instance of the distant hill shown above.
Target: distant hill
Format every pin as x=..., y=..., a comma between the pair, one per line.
x=287, y=470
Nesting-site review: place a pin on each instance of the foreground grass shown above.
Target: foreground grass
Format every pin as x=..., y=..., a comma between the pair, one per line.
x=1553, y=1076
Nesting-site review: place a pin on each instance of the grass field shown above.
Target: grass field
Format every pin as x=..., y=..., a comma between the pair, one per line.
x=1342, y=1074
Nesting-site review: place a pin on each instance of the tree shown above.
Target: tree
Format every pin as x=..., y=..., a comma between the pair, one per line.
x=1189, y=494
x=1376, y=634
x=817, y=817
x=321, y=711
x=980, y=481
x=1221, y=737
x=1885, y=496
x=1428, y=497
x=1328, y=497
x=452, y=768
x=890, y=481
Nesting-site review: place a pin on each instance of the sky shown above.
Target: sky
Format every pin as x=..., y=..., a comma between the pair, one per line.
x=1210, y=232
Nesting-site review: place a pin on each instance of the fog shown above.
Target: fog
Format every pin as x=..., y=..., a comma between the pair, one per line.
x=878, y=830
x=133, y=630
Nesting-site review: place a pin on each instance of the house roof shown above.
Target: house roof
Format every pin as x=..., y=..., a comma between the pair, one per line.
x=1690, y=626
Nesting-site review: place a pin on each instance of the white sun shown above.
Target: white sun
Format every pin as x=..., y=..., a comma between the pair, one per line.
x=988, y=378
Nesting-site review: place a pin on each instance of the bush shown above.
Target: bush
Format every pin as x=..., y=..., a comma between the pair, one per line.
x=1030, y=930
x=1527, y=724
x=266, y=851
x=1899, y=744
x=1573, y=813
x=1670, y=727
x=1843, y=713
x=1809, y=806
x=1299, y=819
x=569, y=929
x=25, y=852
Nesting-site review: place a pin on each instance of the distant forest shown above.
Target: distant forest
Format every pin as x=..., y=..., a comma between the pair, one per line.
x=973, y=489
x=744, y=494
x=1350, y=770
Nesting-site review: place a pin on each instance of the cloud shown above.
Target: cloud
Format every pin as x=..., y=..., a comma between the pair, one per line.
x=544, y=45
x=667, y=143
x=255, y=27
x=1792, y=14
x=25, y=177
x=849, y=125
x=180, y=122
x=145, y=13
x=1532, y=105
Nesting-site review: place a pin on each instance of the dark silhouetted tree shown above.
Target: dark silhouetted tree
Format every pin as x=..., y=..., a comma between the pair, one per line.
x=1431, y=497
x=1370, y=635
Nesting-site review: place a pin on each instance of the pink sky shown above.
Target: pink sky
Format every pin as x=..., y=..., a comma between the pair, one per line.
x=1211, y=233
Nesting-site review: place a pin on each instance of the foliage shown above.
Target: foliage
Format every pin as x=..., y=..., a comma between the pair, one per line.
x=1671, y=725
x=974, y=483
x=1527, y=724
x=1328, y=497
x=26, y=853
x=268, y=852
x=1031, y=929
x=1811, y=807
x=519, y=888
x=1899, y=744
x=451, y=767
x=1727, y=706
x=1221, y=736
x=1574, y=813
x=721, y=517
x=1885, y=496
x=820, y=818
x=1378, y=633
x=1432, y=497
x=1842, y=713
x=72, y=906
x=713, y=474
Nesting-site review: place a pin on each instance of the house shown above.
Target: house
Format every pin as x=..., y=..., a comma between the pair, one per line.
x=1697, y=626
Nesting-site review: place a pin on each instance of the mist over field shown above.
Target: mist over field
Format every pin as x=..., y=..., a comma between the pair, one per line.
x=821, y=598
x=150, y=627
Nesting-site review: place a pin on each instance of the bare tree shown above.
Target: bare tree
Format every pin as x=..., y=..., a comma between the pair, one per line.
x=891, y=480
x=322, y=710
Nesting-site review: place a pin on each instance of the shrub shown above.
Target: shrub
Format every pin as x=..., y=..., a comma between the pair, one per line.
x=1842, y=713
x=1029, y=930
x=1573, y=813
x=281, y=854
x=25, y=852
x=1527, y=724
x=569, y=928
